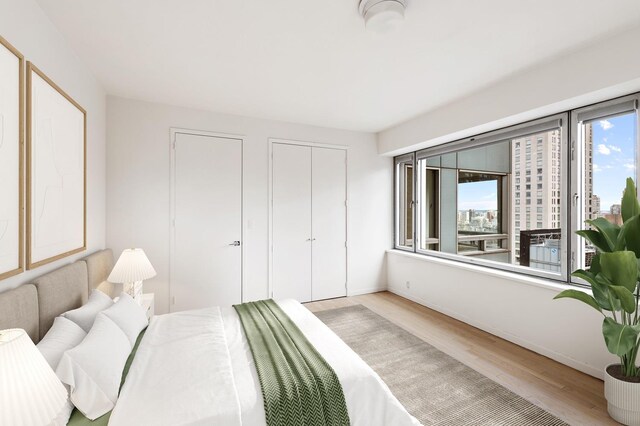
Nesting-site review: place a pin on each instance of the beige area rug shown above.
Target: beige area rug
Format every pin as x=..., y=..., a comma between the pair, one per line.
x=434, y=387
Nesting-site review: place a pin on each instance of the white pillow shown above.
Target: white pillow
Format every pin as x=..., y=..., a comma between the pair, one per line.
x=63, y=335
x=86, y=314
x=129, y=316
x=93, y=369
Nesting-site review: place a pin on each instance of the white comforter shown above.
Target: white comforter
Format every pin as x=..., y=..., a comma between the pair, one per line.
x=196, y=368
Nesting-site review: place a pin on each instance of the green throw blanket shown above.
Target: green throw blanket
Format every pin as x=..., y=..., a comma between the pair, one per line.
x=298, y=386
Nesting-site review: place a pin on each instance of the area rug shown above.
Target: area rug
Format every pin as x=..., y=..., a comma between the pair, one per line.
x=434, y=387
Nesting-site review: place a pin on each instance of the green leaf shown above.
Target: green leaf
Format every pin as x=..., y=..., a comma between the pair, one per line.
x=608, y=230
x=595, y=265
x=588, y=276
x=630, y=205
x=581, y=296
x=620, y=339
x=600, y=290
x=621, y=268
x=627, y=300
x=596, y=238
x=631, y=232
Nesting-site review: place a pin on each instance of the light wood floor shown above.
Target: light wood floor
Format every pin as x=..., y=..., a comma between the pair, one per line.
x=575, y=397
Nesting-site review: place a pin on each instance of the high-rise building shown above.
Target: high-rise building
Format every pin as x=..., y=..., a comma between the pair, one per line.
x=592, y=202
x=536, y=185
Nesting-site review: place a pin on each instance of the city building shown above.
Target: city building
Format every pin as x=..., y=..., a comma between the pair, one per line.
x=536, y=178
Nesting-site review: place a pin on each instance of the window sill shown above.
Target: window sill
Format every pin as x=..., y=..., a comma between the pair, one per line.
x=512, y=276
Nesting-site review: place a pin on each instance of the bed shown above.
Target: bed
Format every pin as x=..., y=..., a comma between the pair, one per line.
x=195, y=367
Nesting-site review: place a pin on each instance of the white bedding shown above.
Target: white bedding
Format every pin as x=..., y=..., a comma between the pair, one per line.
x=195, y=367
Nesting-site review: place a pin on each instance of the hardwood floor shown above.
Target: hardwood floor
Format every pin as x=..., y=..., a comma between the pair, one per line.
x=575, y=397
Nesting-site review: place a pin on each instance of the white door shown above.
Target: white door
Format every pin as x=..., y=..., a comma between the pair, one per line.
x=329, y=226
x=207, y=252
x=291, y=222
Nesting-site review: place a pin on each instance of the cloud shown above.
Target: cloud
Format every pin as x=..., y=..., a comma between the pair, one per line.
x=602, y=149
x=596, y=168
x=615, y=148
x=605, y=124
x=629, y=166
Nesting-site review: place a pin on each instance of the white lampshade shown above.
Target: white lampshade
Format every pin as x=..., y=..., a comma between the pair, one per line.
x=30, y=392
x=131, y=267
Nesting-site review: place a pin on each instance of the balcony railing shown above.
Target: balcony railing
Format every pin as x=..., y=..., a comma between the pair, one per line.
x=473, y=244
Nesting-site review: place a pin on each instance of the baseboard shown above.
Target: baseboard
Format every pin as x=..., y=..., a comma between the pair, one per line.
x=556, y=356
x=365, y=290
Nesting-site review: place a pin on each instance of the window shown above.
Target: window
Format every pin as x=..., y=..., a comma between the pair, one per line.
x=606, y=155
x=468, y=194
x=428, y=190
x=404, y=201
x=479, y=202
x=467, y=200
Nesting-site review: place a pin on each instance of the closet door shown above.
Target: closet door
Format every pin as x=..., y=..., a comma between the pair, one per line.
x=329, y=224
x=291, y=222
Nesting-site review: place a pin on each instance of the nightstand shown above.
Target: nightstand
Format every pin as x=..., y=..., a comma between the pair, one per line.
x=148, y=304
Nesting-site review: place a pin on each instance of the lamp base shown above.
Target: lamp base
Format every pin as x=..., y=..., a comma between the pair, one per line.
x=134, y=290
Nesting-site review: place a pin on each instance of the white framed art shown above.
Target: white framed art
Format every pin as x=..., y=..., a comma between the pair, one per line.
x=56, y=171
x=11, y=160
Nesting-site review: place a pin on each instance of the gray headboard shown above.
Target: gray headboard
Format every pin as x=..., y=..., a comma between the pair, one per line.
x=99, y=266
x=33, y=307
x=19, y=309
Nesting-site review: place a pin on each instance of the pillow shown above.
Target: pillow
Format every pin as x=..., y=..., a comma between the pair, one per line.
x=86, y=314
x=62, y=336
x=93, y=369
x=129, y=316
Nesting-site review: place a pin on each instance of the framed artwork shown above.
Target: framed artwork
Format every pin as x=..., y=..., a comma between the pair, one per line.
x=11, y=160
x=56, y=171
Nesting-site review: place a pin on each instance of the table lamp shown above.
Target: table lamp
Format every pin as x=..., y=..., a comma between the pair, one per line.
x=131, y=269
x=30, y=392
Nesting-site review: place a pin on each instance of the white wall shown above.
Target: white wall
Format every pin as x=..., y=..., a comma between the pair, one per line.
x=517, y=308
x=26, y=27
x=138, y=190
x=596, y=72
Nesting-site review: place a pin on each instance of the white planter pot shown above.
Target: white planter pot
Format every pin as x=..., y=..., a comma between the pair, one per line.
x=623, y=400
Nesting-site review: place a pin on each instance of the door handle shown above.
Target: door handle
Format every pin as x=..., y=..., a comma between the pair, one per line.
x=235, y=243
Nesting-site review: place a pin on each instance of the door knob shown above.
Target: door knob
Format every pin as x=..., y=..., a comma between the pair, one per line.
x=235, y=243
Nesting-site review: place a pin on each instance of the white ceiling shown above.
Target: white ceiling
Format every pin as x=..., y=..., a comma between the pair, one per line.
x=313, y=62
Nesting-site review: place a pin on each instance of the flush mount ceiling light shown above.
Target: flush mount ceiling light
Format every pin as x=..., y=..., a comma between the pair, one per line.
x=382, y=15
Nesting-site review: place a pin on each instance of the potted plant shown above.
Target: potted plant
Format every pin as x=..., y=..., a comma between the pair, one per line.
x=613, y=277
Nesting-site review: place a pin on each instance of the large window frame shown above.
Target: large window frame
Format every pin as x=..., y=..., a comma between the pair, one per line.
x=571, y=185
x=556, y=121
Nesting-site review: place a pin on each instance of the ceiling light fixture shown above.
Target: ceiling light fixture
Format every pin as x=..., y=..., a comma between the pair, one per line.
x=382, y=15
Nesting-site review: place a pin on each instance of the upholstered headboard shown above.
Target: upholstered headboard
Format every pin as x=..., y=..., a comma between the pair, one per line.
x=60, y=291
x=19, y=309
x=99, y=266
x=34, y=306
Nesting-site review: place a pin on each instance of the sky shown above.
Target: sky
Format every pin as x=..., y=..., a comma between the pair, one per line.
x=613, y=161
x=613, y=157
x=478, y=195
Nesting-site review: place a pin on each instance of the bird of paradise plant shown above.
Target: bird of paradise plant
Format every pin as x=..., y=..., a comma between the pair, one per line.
x=614, y=279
